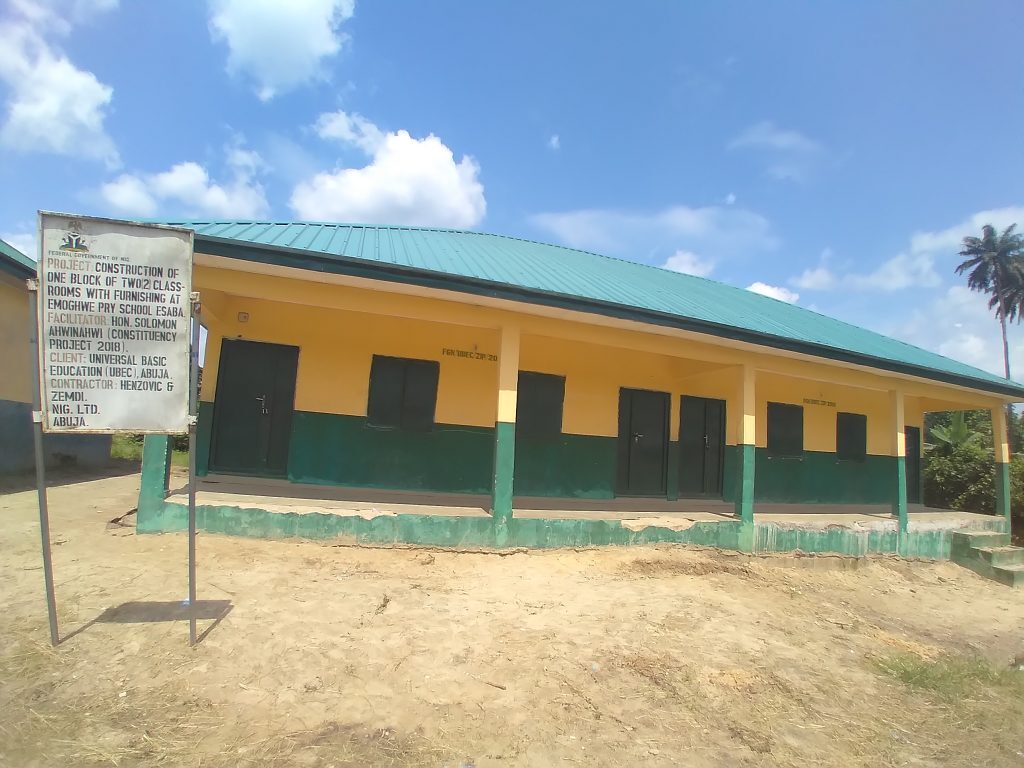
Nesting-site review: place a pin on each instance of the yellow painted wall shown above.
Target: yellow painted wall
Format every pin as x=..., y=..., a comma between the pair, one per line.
x=336, y=349
x=339, y=328
x=15, y=359
x=593, y=375
x=820, y=419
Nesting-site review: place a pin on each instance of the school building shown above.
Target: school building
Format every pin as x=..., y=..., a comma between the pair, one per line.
x=476, y=388
x=17, y=453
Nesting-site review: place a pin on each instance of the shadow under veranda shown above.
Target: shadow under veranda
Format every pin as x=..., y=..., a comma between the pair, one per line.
x=69, y=475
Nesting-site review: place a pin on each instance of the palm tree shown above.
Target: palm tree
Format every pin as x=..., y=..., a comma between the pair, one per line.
x=995, y=265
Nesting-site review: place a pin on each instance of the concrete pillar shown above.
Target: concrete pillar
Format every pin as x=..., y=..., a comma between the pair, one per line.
x=1000, y=440
x=746, y=441
x=505, y=432
x=898, y=448
x=155, y=483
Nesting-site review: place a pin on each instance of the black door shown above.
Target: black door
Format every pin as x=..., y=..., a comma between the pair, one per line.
x=643, y=442
x=913, y=439
x=252, y=415
x=701, y=446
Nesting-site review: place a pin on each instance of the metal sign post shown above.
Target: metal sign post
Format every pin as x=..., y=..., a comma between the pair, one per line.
x=37, y=438
x=193, y=398
x=112, y=305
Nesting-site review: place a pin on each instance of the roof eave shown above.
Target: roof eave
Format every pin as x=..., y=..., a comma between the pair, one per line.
x=16, y=270
x=344, y=265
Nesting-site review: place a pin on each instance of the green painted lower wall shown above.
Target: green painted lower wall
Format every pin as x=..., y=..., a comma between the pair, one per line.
x=344, y=450
x=332, y=449
x=480, y=531
x=816, y=477
x=432, y=530
x=204, y=431
x=1003, y=490
x=569, y=466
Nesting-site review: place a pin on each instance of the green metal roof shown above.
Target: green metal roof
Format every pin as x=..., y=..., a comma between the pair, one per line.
x=507, y=267
x=16, y=263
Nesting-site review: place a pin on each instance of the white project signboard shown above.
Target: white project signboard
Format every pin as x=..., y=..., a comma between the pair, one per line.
x=114, y=325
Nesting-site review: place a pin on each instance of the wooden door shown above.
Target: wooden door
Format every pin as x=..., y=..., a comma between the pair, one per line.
x=643, y=442
x=701, y=446
x=252, y=414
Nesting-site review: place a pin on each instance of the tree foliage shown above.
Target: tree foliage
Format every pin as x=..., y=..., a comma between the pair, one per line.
x=962, y=477
x=958, y=468
x=994, y=264
x=953, y=435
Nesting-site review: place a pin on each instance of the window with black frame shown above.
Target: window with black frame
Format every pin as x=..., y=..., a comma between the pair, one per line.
x=403, y=393
x=785, y=430
x=851, y=436
x=539, y=405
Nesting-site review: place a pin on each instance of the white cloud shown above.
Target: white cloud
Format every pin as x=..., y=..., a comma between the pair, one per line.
x=351, y=129
x=904, y=270
x=774, y=292
x=948, y=241
x=914, y=267
x=654, y=236
x=730, y=199
x=689, y=263
x=53, y=106
x=554, y=142
x=130, y=195
x=407, y=180
x=767, y=135
x=280, y=45
x=187, y=189
x=788, y=154
x=819, y=278
x=23, y=241
x=958, y=324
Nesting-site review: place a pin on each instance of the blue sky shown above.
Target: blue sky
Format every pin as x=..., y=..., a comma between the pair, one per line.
x=831, y=154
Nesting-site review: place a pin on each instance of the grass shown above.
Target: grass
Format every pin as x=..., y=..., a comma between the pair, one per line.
x=969, y=707
x=953, y=678
x=129, y=447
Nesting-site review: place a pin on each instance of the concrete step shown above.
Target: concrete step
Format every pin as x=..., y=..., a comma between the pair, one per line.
x=980, y=539
x=1011, y=575
x=1001, y=555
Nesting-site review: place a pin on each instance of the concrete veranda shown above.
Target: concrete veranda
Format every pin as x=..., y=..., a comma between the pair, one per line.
x=280, y=496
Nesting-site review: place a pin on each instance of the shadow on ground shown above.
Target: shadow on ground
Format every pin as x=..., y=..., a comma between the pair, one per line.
x=152, y=611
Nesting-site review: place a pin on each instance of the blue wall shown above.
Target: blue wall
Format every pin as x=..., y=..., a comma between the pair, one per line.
x=16, y=453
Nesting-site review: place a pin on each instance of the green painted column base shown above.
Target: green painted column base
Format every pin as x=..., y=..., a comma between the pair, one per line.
x=155, y=483
x=1003, y=491
x=504, y=469
x=745, y=484
x=747, y=539
x=899, y=501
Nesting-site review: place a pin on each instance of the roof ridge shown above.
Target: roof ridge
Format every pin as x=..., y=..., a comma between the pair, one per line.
x=419, y=228
x=711, y=302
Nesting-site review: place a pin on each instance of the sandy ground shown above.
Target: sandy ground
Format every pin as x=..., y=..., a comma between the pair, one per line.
x=336, y=655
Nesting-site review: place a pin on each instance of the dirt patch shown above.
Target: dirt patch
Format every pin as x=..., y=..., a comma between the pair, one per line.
x=346, y=656
x=664, y=566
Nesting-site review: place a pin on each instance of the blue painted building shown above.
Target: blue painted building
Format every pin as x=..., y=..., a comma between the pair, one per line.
x=16, y=453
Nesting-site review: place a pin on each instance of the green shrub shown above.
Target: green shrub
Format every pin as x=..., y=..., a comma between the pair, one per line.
x=962, y=478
